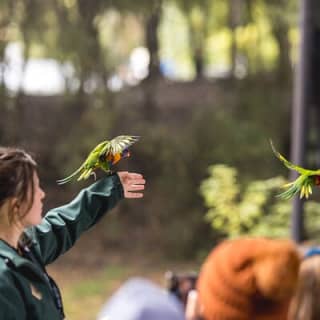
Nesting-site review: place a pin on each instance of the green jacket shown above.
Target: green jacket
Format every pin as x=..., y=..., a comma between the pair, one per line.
x=24, y=291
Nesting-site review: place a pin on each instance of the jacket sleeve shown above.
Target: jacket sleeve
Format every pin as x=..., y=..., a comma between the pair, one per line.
x=62, y=226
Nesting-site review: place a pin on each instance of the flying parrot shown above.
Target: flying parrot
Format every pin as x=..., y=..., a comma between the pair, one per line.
x=103, y=156
x=303, y=184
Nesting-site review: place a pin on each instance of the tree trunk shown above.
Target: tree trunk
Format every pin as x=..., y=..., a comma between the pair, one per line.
x=152, y=42
x=199, y=62
x=233, y=52
x=197, y=43
x=93, y=60
x=235, y=13
x=281, y=34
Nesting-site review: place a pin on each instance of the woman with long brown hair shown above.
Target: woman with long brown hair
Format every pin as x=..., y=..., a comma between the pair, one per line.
x=29, y=242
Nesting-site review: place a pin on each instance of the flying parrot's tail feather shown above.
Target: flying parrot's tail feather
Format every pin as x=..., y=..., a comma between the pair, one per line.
x=287, y=163
x=85, y=174
x=70, y=177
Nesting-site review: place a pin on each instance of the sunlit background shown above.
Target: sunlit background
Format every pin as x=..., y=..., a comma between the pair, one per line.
x=205, y=83
x=185, y=28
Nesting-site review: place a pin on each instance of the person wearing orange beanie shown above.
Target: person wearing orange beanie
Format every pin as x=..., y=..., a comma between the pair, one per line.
x=248, y=279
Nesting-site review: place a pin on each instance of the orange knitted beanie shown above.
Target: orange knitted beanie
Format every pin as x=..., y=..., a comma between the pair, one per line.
x=249, y=279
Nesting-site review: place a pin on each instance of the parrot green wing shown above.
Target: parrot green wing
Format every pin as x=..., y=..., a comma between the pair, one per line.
x=118, y=144
x=292, y=166
x=302, y=184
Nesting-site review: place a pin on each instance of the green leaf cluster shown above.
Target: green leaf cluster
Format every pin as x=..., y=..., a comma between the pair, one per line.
x=251, y=209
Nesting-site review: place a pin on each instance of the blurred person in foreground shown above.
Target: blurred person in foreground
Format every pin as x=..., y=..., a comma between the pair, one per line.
x=29, y=242
x=243, y=279
x=306, y=302
x=246, y=279
x=141, y=299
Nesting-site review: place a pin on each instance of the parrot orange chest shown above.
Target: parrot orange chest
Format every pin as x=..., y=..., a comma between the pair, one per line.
x=113, y=158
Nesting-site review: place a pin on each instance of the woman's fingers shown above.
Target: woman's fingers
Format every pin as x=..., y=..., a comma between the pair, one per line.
x=125, y=176
x=129, y=191
x=132, y=182
x=134, y=175
x=133, y=195
x=136, y=187
x=136, y=181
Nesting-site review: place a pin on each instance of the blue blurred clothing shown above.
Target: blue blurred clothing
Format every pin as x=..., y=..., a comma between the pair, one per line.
x=140, y=299
x=312, y=252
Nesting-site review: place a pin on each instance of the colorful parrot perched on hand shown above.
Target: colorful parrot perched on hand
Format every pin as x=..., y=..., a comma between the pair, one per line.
x=103, y=156
x=303, y=184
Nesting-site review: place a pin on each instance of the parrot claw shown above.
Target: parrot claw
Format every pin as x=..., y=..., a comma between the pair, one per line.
x=94, y=175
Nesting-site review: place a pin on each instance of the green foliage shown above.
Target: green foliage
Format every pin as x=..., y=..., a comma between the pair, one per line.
x=98, y=36
x=252, y=209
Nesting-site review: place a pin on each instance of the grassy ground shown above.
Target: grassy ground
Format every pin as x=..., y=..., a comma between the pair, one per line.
x=86, y=287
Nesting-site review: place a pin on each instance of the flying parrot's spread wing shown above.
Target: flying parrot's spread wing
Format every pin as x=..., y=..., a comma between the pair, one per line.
x=97, y=158
x=306, y=180
x=303, y=185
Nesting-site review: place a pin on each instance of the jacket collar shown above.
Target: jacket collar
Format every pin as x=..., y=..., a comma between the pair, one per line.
x=10, y=253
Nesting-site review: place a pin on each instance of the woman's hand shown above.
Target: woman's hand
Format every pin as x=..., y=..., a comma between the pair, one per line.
x=132, y=182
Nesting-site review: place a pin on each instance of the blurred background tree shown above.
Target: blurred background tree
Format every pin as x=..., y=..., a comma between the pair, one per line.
x=203, y=82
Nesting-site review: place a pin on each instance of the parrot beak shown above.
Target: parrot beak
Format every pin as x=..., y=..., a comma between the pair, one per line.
x=126, y=154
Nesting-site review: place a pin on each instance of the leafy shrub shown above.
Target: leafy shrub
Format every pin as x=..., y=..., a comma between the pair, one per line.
x=252, y=209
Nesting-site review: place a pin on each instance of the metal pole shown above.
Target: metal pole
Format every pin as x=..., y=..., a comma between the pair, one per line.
x=302, y=88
